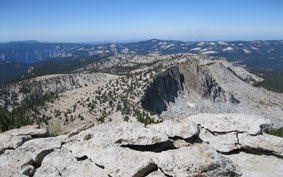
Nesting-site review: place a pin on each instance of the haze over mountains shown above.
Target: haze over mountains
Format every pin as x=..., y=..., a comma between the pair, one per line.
x=267, y=54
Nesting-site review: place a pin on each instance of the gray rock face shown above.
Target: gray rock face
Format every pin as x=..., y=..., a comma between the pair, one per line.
x=233, y=122
x=164, y=89
x=193, y=80
x=26, y=157
x=196, y=160
x=63, y=163
x=255, y=165
x=262, y=142
x=16, y=137
x=181, y=147
x=223, y=142
x=178, y=128
x=199, y=83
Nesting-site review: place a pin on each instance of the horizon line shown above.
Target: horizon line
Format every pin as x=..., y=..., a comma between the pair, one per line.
x=136, y=40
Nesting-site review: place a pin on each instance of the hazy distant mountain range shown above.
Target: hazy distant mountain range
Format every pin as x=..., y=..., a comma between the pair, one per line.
x=266, y=54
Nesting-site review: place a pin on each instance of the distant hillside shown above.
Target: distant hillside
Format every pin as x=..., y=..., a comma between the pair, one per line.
x=273, y=79
x=32, y=51
x=254, y=54
x=260, y=54
x=10, y=70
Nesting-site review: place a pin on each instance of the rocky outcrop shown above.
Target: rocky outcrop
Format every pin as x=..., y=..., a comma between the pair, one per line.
x=180, y=147
x=164, y=89
x=235, y=122
x=196, y=160
x=192, y=80
x=16, y=137
x=257, y=165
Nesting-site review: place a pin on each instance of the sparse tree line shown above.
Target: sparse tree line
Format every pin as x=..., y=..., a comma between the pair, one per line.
x=26, y=114
x=117, y=95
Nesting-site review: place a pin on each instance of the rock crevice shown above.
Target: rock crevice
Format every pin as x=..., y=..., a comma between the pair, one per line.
x=180, y=147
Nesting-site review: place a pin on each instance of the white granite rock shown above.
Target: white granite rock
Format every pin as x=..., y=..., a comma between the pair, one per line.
x=13, y=163
x=256, y=165
x=16, y=137
x=128, y=149
x=262, y=142
x=31, y=130
x=23, y=159
x=195, y=160
x=157, y=173
x=221, y=142
x=121, y=133
x=178, y=128
x=231, y=122
x=62, y=163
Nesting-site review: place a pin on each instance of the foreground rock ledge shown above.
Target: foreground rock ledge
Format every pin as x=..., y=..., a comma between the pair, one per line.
x=181, y=147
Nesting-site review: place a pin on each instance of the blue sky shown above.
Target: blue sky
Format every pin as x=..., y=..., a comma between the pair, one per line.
x=122, y=20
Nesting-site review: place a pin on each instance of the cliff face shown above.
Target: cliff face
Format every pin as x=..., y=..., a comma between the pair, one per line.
x=164, y=89
x=199, y=82
x=191, y=80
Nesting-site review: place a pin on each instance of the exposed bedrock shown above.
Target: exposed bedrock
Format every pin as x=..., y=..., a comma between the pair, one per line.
x=180, y=147
x=163, y=89
x=191, y=80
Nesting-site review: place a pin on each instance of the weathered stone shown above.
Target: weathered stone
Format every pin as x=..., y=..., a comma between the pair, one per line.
x=221, y=142
x=16, y=137
x=13, y=163
x=11, y=142
x=116, y=160
x=62, y=163
x=182, y=128
x=231, y=122
x=195, y=160
x=19, y=161
x=262, y=143
x=180, y=143
x=28, y=170
x=31, y=130
x=122, y=133
x=157, y=173
x=256, y=165
x=80, y=129
x=128, y=149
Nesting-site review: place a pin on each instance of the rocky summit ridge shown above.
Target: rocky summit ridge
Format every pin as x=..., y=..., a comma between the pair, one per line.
x=124, y=85
x=200, y=145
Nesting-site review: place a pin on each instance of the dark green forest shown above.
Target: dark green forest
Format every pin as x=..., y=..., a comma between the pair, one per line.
x=58, y=66
x=25, y=114
x=273, y=79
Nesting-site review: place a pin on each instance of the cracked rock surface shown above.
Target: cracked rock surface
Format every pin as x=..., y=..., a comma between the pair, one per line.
x=180, y=147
